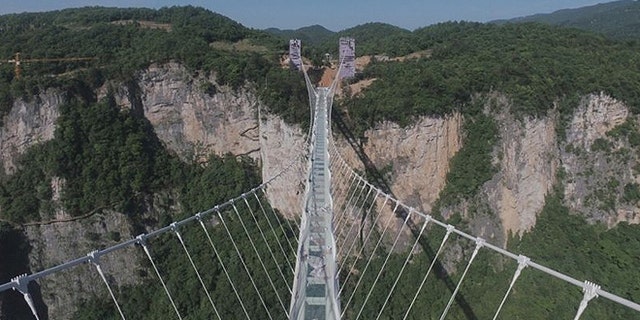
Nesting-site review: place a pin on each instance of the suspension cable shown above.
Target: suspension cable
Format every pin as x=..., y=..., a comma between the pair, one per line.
x=590, y=290
x=384, y=264
x=281, y=227
x=224, y=268
x=404, y=265
x=350, y=191
x=366, y=240
x=267, y=244
x=354, y=210
x=284, y=254
x=193, y=265
x=348, y=205
x=355, y=239
x=244, y=265
x=143, y=243
x=22, y=285
x=370, y=258
x=522, y=263
x=94, y=258
x=340, y=213
x=255, y=250
x=479, y=244
x=450, y=229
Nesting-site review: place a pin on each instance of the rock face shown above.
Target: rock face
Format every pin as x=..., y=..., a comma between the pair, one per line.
x=56, y=243
x=528, y=156
x=527, y=161
x=281, y=147
x=194, y=117
x=596, y=116
x=28, y=123
x=194, y=123
x=415, y=159
x=601, y=168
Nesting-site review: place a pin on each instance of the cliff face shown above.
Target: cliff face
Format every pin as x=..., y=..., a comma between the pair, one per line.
x=28, y=123
x=527, y=159
x=56, y=243
x=600, y=159
x=194, y=117
x=281, y=147
x=416, y=158
x=596, y=167
x=192, y=122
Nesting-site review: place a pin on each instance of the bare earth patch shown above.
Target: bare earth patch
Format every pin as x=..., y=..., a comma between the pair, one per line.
x=144, y=24
x=243, y=45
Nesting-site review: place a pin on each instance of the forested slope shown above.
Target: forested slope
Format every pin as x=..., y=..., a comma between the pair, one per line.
x=544, y=71
x=616, y=19
x=109, y=158
x=123, y=41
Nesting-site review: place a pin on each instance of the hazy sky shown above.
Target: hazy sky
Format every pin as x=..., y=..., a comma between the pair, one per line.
x=333, y=14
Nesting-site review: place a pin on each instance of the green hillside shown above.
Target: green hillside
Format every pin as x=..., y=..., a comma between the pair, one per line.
x=617, y=19
x=539, y=68
x=536, y=65
x=380, y=38
x=110, y=158
x=124, y=41
x=312, y=35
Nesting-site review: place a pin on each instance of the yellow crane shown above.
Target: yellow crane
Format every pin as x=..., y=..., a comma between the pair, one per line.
x=17, y=61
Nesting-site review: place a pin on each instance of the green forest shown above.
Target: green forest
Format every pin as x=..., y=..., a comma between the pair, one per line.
x=111, y=159
x=122, y=42
x=537, y=67
x=616, y=19
x=562, y=241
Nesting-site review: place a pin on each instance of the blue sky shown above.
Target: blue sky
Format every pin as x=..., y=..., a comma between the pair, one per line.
x=333, y=14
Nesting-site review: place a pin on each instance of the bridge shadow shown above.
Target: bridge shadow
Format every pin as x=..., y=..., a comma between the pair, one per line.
x=14, y=250
x=377, y=178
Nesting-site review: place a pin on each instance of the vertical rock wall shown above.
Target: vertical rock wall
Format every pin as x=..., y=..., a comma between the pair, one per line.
x=27, y=124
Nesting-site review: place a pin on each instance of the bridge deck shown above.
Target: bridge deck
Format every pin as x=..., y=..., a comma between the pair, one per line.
x=316, y=281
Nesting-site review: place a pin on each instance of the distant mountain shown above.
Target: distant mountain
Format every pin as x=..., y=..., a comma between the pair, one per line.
x=375, y=38
x=618, y=19
x=314, y=34
x=371, y=38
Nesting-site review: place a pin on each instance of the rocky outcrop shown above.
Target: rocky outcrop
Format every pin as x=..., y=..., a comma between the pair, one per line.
x=600, y=168
x=528, y=156
x=56, y=243
x=281, y=150
x=28, y=123
x=415, y=159
x=527, y=161
x=194, y=123
x=596, y=115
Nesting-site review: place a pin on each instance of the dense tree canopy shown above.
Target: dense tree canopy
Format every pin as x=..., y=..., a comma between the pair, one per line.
x=125, y=41
x=534, y=65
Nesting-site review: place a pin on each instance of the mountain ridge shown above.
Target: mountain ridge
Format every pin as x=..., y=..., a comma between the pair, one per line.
x=617, y=19
x=313, y=34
